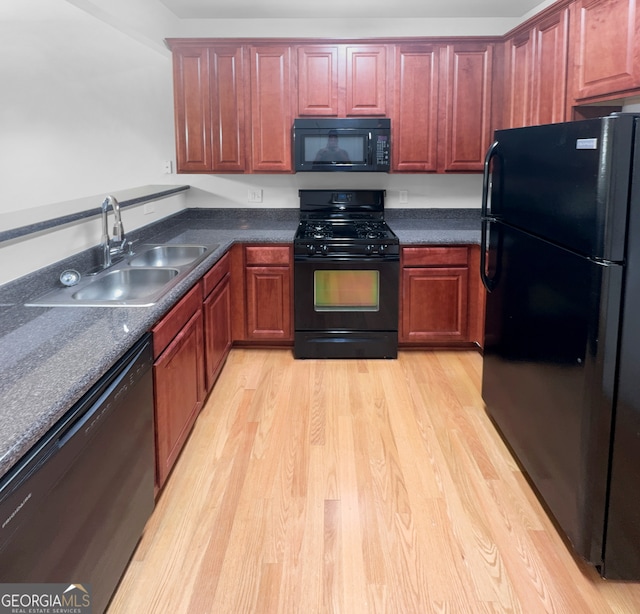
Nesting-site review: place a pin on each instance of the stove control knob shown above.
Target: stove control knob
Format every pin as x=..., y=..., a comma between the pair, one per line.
x=369, y=249
x=324, y=248
x=382, y=249
x=311, y=249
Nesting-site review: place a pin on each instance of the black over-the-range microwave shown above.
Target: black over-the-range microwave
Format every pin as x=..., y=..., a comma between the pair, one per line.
x=342, y=144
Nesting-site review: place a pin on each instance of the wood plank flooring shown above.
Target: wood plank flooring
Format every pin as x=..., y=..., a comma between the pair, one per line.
x=354, y=487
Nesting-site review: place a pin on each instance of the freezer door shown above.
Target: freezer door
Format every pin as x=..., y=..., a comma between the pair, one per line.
x=567, y=183
x=548, y=373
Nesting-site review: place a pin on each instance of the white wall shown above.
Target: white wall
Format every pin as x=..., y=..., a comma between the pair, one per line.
x=87, y=109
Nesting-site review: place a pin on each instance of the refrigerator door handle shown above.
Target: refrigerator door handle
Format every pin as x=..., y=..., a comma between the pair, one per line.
x=486, y=184
x=488, y=283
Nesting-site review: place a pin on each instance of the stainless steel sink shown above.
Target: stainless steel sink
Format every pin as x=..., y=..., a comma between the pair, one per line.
x=126, y=285
x=140, y=281
x=168, y=256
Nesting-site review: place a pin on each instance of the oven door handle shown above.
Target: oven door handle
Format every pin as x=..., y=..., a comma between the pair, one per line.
x=346, y=259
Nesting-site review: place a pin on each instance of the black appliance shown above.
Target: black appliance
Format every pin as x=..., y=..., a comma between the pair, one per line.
x=561, y=374
x=346, y=276
x=73, y=509
x=339, y=144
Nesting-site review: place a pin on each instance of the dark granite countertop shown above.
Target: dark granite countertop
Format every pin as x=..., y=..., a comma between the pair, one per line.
x=49, y=357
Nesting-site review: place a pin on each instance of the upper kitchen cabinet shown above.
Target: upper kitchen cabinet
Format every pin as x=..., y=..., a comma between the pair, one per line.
x=536, y=71
x=271, y=94
x=415, y=118
x=210, y=106
x=442, y=106
x=318, y=80
x=465, y=106
x=232, y=107
x=519, y=79
x=192, y=108
x=549, y=96
x=606, y=48
x=342, y=80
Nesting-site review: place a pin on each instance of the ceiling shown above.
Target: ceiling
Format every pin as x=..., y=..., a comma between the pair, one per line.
x=261, y=9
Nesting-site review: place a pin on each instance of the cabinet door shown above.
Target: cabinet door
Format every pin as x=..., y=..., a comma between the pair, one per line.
x=318, y=80
x=271, y=109
x=269, y=303
x=415, y=120
x=550, y=70
x=466, y=116
x=519, y=78
x=366, y=80
x=606, y=36
x=228, y=109
x=179, y=393
x=192, y=100
x=217, y=329
x=434, y=305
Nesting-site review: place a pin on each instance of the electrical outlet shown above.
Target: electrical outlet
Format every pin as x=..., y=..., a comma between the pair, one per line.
x=255, y=195
x=404, y=197
x=149, y=208
x=167, y=167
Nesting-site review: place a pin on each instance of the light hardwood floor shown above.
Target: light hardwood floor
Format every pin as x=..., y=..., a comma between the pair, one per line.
x=354, y=487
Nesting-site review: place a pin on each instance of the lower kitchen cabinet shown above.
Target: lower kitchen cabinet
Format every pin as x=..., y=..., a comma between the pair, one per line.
x=261, y=293
x=217, y=319
x=440, y=296
x=179, y=378
x=269, y=300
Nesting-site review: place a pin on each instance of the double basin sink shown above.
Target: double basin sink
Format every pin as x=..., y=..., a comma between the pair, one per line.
x=139, y=280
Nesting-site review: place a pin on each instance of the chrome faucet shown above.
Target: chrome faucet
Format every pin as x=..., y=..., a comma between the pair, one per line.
x=117, y=245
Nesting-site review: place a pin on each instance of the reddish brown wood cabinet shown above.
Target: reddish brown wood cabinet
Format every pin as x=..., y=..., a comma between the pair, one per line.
x=318, y=80
x=550, y=69
x=210, y=107
x=519, y=58
x=342, y=80
x=179, y=379
x=465, y=106
x=536, y=72
x=443, y=105
x=217, y=319
x=271, y=109
x=606, y=47
x=268, y=298
x=192, y=109
x=415, y=118
x=441, y=300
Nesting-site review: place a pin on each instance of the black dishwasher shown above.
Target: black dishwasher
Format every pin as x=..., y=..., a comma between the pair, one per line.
x=73, y=509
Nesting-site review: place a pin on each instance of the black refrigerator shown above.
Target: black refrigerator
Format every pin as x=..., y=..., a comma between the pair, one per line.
x=561, y=367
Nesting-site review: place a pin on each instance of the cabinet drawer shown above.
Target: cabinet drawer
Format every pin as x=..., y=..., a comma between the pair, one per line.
x=267, y=254
x=165, y=330
x=434, y=256
x=217, y=272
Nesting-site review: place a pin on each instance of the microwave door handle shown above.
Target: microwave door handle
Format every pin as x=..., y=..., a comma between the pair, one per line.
x=370, y=148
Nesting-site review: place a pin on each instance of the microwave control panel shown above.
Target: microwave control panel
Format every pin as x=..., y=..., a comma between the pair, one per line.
x=382, y=151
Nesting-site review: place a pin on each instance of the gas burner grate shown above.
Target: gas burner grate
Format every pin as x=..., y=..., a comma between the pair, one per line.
x=317, y=230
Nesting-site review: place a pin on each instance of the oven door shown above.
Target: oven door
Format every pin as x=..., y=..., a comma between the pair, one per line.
x=346, y=307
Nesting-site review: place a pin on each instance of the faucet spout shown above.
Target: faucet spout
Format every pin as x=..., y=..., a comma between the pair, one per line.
x=104, y=242
x=116, y=247
x=118, y=228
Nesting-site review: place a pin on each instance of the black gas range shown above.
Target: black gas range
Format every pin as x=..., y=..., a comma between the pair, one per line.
x=344, y=223
x=346, y=276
